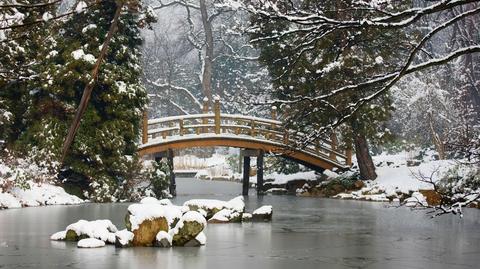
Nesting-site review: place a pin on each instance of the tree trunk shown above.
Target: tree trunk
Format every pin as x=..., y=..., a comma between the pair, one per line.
x=364, y=160
x=208, y=61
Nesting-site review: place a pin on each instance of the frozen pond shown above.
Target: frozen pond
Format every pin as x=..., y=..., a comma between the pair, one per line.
x=305, y=233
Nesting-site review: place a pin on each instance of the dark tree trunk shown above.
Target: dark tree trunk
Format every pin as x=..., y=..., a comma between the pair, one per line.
x=364, y=160
x=365, y=163
x=208, y=61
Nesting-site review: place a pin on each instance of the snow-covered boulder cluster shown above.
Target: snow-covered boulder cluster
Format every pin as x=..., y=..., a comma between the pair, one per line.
x=159, y=223
x=217, y=211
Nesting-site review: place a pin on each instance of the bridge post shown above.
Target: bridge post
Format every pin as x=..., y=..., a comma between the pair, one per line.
x=246, y=175
x=205, y=111
x=180, y=127
x=274, y=117
x=145, y=127
x=348, y=152
x=333, y=138
x=260, y=172
x=173, y=185
x=217, y=115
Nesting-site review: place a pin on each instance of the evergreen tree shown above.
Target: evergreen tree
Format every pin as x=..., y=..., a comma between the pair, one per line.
x=22, y=48
x=103, y=154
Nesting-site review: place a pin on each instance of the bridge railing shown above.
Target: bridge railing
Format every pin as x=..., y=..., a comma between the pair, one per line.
x=216, y=123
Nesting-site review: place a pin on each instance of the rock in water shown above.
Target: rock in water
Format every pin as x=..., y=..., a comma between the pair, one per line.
x=163, y=240
x=103, y=230
x=145, y=221
x=226, y=216
x=208, y=205
x=59, y=236
x=199, y=240
x=189, y=226
x=263, y=213
x=90, y=243
x=123, y=239
x=246, y=217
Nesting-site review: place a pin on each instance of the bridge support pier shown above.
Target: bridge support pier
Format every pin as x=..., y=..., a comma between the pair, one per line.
x=260, y=172
x=247, y=154
x=173, y=185
x=246, y=175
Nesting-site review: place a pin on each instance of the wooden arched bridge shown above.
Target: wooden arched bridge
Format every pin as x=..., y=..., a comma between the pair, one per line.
x=253, y=135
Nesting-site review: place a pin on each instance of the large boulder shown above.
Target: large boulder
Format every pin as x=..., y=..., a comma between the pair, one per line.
x=102, y=230
x=145, y=221
x=263, y=213
x=189, y=226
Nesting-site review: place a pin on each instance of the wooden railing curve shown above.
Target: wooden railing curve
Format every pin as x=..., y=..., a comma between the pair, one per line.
x=272, y=130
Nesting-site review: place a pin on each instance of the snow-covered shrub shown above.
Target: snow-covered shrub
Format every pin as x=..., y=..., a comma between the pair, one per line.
x=458, y=188
x=151, y=180
x=18, y=171
x=157, y=176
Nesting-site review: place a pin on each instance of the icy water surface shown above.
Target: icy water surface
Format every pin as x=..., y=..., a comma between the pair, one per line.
x=305, y=233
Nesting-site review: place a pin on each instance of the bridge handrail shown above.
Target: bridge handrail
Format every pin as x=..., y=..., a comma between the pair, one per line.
x=269, y=129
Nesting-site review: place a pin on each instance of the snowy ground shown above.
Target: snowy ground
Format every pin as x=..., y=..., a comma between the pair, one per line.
x=395, y=177
x=30, y=193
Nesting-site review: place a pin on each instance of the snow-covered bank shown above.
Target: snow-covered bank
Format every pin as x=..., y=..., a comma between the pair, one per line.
x=18, y=189
x=396, y=179
x=38, y=194
x=401, y=178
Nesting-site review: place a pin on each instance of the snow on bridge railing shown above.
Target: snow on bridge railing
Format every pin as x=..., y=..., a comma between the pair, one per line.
x=271, y=130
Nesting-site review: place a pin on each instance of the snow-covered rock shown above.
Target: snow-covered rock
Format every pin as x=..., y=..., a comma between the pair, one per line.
x=90, y=243
x=263, y=213
x=189, y=226
x=145, y=221
x=237, y=204
x=199, y=240
x=103, y=230
x=163, y=239
x=58, y=236
x=226, y=216
x=211, y=206
x=246, y=217
x=123, y=238
x=416, y=200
